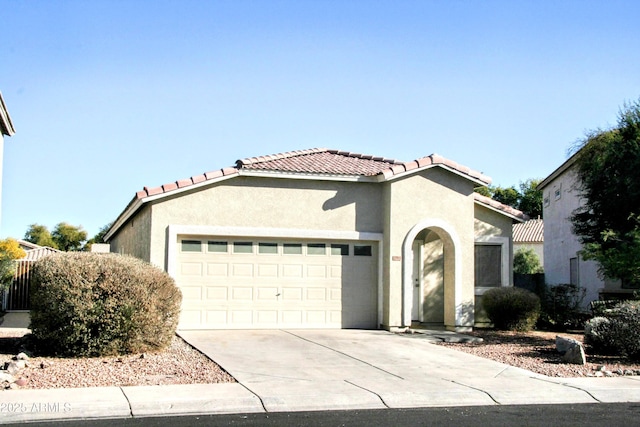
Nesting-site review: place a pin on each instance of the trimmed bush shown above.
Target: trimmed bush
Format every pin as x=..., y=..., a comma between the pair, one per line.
x=618, y=333
x=511, y=308
x=88, y=304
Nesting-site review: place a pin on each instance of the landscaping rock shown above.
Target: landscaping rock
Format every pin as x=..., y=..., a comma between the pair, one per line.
x=22, y=356
x=575, y=354
x=563, y=344
x=4, y=377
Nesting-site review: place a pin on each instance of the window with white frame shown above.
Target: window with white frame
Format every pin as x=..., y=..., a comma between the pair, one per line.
x=488, y=265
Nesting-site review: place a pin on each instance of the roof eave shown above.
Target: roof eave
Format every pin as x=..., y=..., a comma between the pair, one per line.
x=482, y=183
x=515, y=218
x=6, y=126
x=559, y=171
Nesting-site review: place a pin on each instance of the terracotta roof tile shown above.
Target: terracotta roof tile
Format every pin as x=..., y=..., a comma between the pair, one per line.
x=319, y=161
x=531, y=231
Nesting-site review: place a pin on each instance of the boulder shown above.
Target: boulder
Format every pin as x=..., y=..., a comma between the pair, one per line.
x=575, y=354
x=563, y=344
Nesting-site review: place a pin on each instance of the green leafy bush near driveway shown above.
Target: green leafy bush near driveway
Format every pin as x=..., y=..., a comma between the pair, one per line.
x=511, y=308
x=88, y=304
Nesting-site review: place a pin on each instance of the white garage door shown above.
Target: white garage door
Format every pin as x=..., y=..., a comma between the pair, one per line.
x=245, y=283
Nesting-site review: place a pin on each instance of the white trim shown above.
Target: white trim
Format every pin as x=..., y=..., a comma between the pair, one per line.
x=504, y=254
x=407, y=267
x=174, y=230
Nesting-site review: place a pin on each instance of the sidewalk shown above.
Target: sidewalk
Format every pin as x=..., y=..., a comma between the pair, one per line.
x=305, y=370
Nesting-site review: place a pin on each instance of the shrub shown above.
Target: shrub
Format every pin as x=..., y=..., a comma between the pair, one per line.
x=618, y=333
x=526, y=261
x=511, y=308
x=561, y=307
x=88, y=304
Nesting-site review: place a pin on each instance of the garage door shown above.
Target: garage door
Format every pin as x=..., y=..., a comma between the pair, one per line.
x=246, y=283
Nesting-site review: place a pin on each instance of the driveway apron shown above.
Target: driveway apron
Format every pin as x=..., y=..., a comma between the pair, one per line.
x=297, y=370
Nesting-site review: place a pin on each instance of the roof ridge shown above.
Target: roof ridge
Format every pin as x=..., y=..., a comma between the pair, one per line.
x=278, y=156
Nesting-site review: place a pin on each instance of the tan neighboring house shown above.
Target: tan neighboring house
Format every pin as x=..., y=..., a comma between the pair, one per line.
x=323, y=238
x=530, y=235
x=6, y=128
x=562, y=261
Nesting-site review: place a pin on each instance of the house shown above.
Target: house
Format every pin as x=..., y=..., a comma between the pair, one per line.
x=530, y=235
x=563, y=263
x=6, y=128
x=323, y=238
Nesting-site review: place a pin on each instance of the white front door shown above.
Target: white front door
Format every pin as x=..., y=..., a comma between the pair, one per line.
x=416, y=277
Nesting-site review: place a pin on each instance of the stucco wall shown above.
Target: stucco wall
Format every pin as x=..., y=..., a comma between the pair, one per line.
x=271, y=203
x=432, y=196
x=560, y=244
x=134, y=237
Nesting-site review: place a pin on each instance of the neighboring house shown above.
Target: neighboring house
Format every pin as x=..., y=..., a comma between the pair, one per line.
x=16, y=298
x=324, y=239
x=6, y=128
x=562, y=261
x=530, y=235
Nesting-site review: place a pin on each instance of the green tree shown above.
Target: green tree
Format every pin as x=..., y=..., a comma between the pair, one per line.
x=69, y=237
x=608, y=171
x=526, y=261
x=10, y=251
x=508, y=196
x=530, y=198
x=40, y=235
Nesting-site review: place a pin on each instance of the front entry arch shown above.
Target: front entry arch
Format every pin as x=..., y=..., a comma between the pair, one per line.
x=453, y=316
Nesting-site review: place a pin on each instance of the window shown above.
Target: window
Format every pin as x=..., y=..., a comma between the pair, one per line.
x=267, y=248
x=362, y=250
x=339, y=249
x=191, y=246
x=546, y=200
x=242, y=247
x=557, y=192
x=292, y=249
x=220, y=247
x=316, y=249
x=573, y=271
x=488, y=265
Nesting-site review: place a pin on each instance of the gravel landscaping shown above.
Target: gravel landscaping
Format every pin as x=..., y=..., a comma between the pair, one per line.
x=182, y=364
x=536, y=351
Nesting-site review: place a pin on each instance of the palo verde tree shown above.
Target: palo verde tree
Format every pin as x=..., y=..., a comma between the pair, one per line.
x=608, y=223
x=10, y=251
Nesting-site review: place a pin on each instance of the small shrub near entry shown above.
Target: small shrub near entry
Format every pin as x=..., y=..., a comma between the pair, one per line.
x=88, y=304
x=511, y=308
x=618, y=333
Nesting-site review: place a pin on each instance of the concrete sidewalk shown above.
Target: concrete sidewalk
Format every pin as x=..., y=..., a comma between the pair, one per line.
x=302, y=370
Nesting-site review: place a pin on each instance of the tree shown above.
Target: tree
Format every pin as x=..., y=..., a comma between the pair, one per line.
x=608, y=171
x=69, y=237
x=10, y=251
x=530, y=198
x=40, y=235
x=526, y=261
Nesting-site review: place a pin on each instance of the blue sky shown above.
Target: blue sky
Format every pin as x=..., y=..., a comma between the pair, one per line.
x=110, y=96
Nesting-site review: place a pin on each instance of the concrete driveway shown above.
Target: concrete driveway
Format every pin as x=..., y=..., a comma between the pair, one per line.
x=296, y=370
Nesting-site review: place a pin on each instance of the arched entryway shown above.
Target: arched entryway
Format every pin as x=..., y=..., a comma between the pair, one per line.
x=431, y=280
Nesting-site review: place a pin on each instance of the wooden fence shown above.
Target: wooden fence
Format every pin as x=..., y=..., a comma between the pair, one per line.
x=16, y=298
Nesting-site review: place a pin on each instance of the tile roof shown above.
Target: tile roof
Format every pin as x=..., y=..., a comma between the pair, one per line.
x=531, y=231
x=319, y=162
x=494, y=204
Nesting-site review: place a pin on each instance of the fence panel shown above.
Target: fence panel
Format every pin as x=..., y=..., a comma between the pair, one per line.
x=17, y=297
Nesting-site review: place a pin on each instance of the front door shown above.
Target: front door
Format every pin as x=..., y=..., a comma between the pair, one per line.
x=416, y=277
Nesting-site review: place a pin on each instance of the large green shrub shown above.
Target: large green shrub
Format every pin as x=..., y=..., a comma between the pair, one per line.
x=618, y=333
x=88, y=304
x=526, y=261
x=511, y=308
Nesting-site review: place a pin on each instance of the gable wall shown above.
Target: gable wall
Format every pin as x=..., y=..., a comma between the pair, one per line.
x=134, y=237
x=270, y=203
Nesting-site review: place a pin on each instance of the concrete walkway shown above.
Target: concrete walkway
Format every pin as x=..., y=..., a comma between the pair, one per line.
x=299, y=370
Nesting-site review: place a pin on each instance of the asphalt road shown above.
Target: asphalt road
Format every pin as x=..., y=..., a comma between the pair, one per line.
x=583, y=415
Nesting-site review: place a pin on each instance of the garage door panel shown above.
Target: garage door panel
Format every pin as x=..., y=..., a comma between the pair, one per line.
x=279, y=289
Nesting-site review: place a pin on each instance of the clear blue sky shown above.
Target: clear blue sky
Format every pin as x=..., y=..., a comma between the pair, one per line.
x=110, y=96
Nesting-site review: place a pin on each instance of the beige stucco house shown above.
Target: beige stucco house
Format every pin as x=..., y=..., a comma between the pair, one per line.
x=324, y=239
